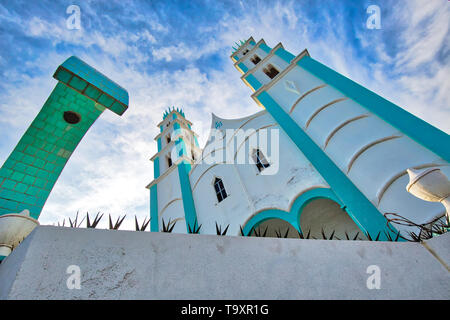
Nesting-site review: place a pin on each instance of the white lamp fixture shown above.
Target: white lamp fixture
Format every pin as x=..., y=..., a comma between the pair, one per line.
x=14, y=227
x=430, y=185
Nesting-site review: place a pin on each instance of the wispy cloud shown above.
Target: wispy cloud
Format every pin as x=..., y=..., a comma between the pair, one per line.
x=177, y=53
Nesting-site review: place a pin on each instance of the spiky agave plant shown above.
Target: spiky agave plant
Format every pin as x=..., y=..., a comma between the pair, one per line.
x=242, y=231
x=94, y=223
x=169, y=227
x=257, y=232
x=325, y=237
x=195, y=229
x=279, y=234
x=144, y=224
x=302, y=236
x=74, y=223
x=116, y=226
x=219, y=230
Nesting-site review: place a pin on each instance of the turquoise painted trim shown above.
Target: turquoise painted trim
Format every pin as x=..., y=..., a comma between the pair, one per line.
x=253, y=82
x=190, y=213
x=154, y=227
x=265, y=48
x=417, y=129
x=156, y=168
x=358, y=206
x=2, y=257
x=176, y=125
x=181, y=147
x=159, y=144
x=293, y=216
x=174, y=116
x=161, y=128
x=243, y=67
x=196, y=141
x=236, y=58
x=285, y=55
x=252, y=42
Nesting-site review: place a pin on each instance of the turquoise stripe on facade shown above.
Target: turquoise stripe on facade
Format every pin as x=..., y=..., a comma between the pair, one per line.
x=156, y=168
x=243, y=67
x=265, y=47
x=285, y=55
x=253, y=82
x=159, y=144
x=360, y=209
x=154, y=225
x=184, y=168
x=196, y=141
x=417, y=129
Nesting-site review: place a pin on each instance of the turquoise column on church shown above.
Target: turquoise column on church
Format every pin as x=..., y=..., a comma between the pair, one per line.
x=32, y=169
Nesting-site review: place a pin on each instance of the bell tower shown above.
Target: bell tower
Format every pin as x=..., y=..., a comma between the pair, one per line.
x=170, y=191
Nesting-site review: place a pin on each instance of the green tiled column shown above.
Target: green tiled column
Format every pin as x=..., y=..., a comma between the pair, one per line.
x=31, y=171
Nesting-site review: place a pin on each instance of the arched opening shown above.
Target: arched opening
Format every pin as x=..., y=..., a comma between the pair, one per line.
x=275, y=228
x=325, y=215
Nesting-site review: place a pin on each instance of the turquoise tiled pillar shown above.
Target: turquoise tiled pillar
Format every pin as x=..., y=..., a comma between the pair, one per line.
x=31, y=171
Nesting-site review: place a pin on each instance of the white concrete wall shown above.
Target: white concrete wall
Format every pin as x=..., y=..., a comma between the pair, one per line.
x=144, y=265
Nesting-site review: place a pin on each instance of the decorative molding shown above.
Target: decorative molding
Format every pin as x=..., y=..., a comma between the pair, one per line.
x=368, y=146
x=167, y=205
x=323, y=108
x=304, y=95
x=339, y=127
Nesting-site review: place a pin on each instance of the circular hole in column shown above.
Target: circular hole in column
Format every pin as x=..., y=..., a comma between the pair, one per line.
x=71, y=117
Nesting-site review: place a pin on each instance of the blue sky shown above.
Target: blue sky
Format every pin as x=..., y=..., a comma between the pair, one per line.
x=177, y=53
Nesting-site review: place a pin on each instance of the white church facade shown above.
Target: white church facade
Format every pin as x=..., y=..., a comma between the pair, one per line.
x=324, y=155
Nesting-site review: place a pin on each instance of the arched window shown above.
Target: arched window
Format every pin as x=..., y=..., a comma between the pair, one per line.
x=245, y=52
x=220, y=189
x=169, y=161
x=260, y=160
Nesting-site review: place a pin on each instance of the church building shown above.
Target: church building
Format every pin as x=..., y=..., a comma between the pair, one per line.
x=323, y=156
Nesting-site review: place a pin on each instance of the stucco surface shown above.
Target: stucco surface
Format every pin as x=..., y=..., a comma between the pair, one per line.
x=144, y=265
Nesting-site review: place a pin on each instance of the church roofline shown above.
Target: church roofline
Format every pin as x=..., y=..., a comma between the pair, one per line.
x=256, y=46
x=172, y=112
x=241, y=47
